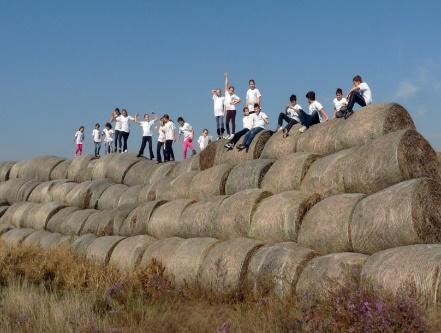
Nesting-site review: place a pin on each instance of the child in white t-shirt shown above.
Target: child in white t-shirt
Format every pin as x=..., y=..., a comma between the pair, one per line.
x=146, y=126
x=253, y=96
x=290, y=114
x=204, y=140
x=247, y=122
x=219, y=111
x=117, y=140
x=170, y=137
x=360, y=94
x=161, y=141
x=108, y=138
x=79, y=139
x=316, y=113
x=124, y=121
x=231, y=100
x=340, y=104
x=96, y=137
x=187, y=130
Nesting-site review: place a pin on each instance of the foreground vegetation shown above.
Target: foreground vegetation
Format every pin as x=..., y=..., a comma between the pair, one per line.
x=59, y=292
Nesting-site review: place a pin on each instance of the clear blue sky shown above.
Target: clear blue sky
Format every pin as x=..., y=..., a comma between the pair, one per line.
x=68, y=63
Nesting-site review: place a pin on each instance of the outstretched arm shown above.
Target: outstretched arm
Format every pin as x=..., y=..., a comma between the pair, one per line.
x=226, y=82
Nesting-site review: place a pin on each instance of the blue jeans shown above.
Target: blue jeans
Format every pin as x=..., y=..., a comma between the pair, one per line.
x=220, y=125
x=308, y=120
x=97, y=148
x=356, y=97
x=250, y=136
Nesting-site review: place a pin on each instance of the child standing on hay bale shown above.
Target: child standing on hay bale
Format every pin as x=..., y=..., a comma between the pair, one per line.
x=170, y=137
x=340, y=104
x=290, y=114
x=187, y=130
x=204, y=140
x=259, y=120
x=219, y=111
x=146, y=125
x=115, y=114
x=108, y=138
x=96, y=137
x=316, y=114
x=231, y=99
x=79, y=139
x=360, y=94
x=253, y=96
x=161, y=141
x=247, y=125
x=124, y=120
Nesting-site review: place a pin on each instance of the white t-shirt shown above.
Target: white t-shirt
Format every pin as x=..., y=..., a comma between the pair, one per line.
x=315, y=106
x=108, y=135
x=161, y=133
x=203, y=141
x=146, y=127
x=187, y=130
x=366, y=92
x=228, y=99
x=79, y=137
x=338, y=104
x=125, y=124
x=258, y=119
x=96, y=135
x=169, y=131
x=292, y=111
x=218, y=103
x=252, y=96
x=248, y=121
x=117, y=124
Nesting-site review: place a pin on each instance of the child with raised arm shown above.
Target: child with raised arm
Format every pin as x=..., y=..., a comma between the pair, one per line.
x=230, y=102
x=108, y=138
x=253, y=96
x=146, y=125
x=259, y=120
x=360, y=93
x=290, y=115
x=247, y=122
x=79, y=139
x=187, y=130
x=161, y=141
x=124, y=121
x=340, y=104
x=219, y=111
x=96, y=137
x=170, y=137
x=204, y=140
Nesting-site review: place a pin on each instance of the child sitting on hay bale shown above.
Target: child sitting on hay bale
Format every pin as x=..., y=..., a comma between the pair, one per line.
x=247, y=126
x=360, y=94
x=340, y=104
x=290, y=115
x=259, y=120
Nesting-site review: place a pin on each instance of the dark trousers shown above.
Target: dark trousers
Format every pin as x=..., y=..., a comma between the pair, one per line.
x=356, y=97
x=238, y=135
x=146, y=139
x=231, y=116
x=283, y=116
x=159, y=151
x=117, y=141
x=250, y=136
x=124, y=136
x=308, y=120
x=220, y=125
x=97, y=148
x=291, y=123
x=168, y=153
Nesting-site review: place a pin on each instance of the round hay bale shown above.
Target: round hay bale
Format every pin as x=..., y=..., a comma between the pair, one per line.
x=130, y=197
x=275, y=269
x=137, y=221
x=323, y=277
x=234, y=216
x=15, y=170
x=35, y=238
x=161, y=251
x=247, y=175
x=79, y=246
x=99, y=223
x=117, y=167
x=210, y=182
x=42, y=192
x=3, y=210
x=235, y=156
x=403, y=214
x=5, y=169
x=79, y=166
x=100, y=169
x=140, y=173
x=38, y=216
x=407, y=271
x=40, y=168
x=86, y=174
x=278, y=147
x=15, y=237
x=120, y=215
x=74, y=223
x=101, y=248
x=128, y=253
x=60, y=170
x=182, y=167
x=208, y=155
x=26, y=189
x=224, y=268
x=58, y=219
x=326, y=226
x=5, y=228
x=167, y=220
x=59, y=190
x=197, y=220
x=278, y=217
x=9, y=190
x=161, y=171
x=373, y=121
x=16, y=213
x=111, y=196
x=287, y=173
x=87, y=194
x=150, y=191
x=178, y=187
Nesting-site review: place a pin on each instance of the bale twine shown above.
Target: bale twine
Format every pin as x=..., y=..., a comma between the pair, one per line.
x=188, y=165
x=278, y=218
x=118, y=166
x=207, y=156
x=16, y=213
x=139, y=173
x=224, y=268
x=78, y=167
x=247, y=175
x=137, y=221
x=111, y=196
x=161, y=171
x=15, y=237
x=185, y=263
x=178, y=187
x=74, y=223
x=161, y=251
x=40, y=168
x=403, y=214
x=210, y=182
x=287, y=173
x=130, y=197
x=234, y=216
x=275, y=269
x=277, y=146
x=79, y=245
x=60, y=171
x=87, y=194
x=38, y=216
x=128, y=253
x=120, y=215
x=101, y=248
x=9, y=190
x=58, y=219
x=370, y=123
x=323, y=277
x=59, y=190
x=326, y=227
x=407, y=271
x=5, y=169
x=149, y=192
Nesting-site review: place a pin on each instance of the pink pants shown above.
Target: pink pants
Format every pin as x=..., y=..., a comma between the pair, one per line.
x=79, y=149
x=188, y=143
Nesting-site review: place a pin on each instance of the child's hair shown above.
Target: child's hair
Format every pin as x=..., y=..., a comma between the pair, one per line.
x=166, y=116
x=251, y=80
x=180, y=119
x=246, y=108
x=339, y=91
x=97, y=125
x=293, y=98
x=205, y=130
x=116, y=110
x=81, y=127
x=310, y=95
x=123, y=110
x=161, y=121
x=256, y=105
x=357, y=78
x=231, y=87
x=108, y=125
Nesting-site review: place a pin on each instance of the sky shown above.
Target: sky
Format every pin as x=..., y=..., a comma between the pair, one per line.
x=69, y=63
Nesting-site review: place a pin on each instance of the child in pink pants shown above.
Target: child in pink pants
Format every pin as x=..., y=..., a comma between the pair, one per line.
x=187, y=130
x=78, y=139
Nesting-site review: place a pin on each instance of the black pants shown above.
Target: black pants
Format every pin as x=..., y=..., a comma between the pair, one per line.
x=117, y=140
x=124, y=136
x=291, y=123
x=168, y=154
x=356, y=97
x=283, y=116
x=238, y=135
x=146, y=139
x=308, y=120
x=159, y=151
x=231, y=116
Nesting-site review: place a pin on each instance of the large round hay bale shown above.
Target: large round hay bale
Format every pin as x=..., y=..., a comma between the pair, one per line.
x=150, y=191
x=16, y=169
x=74, y=223
x=111, y=196
x=79, y=245
x=185, y=263
x=275, y=268
x=9, y=190
x=87, y=194
x=208, y=155
x=234, y=216
x=40, y=168
x=5, y=169
x=15, y=237
x=210, y=182
x=323, y=277
x=36, y=238
x=403, y=214
x=86, y=174
x=38, y=216
x=370, y=123
x=197, y=220
x=120, y=215
x=278, y=217
x=100, y=168
x=162, y=252
x=101, y=248
x=188, y=165
x=224, y=268
x=130, y=197
x=79, y=166
x=139, y=173
x=137, y=221
x=55, y=240
x=287, y=173
x=117, y=167
x=4, y=228
x=57, y=220
x=407, y=271
x=235, y=156
x=326, y=227
x=128, y=253
x=247, y=175
x=161, y=171
x=277, y=146
x=59, y=190
x=26, y=189
x=60, y=170
x=99, y=223
x=42, y=192
x=178, y=188
x=16, y=213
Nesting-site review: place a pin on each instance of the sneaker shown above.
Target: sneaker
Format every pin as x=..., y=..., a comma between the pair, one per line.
x=302, y=129
x=193, y=152
x=348, y=114
x=285, y=132
x=231, y=137
x=279, y=129
x=241, y=147
x=219, y=138
x=228, y=145
x=139, y=155
x=226, y=136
